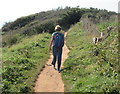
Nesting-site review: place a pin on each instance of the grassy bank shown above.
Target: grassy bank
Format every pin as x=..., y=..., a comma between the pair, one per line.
x=84, y=71
x=23, y=61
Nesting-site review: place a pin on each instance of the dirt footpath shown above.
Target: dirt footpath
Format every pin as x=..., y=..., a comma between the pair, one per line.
x=49, y=79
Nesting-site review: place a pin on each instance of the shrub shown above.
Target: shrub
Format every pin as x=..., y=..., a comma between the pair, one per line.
x=13, y=40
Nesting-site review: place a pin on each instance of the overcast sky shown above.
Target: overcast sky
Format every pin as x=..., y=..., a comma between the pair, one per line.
x=13, y=9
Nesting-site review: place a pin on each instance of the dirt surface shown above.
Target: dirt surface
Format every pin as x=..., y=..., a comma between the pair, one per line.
x=49, y=79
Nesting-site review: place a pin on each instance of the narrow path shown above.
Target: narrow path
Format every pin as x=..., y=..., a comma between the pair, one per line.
x=49, y=79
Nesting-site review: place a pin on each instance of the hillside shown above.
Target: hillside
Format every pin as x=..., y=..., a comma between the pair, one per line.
x=22, y=63
x=30, y=25
x=91, y=67
x=25, y=44
x=41, y=22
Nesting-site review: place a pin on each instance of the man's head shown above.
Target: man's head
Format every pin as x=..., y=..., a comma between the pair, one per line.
x=57, y=28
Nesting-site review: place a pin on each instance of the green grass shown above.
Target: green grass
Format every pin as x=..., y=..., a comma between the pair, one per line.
x=23, y=61
x=103, y=27
x=25, y=50
x=85, y=72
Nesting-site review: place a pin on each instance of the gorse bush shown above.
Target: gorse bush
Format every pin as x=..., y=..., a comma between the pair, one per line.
x=20, y=22
x=71, y=17
x=40, y=28
x=13, y=40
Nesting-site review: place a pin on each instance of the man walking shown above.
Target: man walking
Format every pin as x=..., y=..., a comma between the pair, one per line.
x=57, y=43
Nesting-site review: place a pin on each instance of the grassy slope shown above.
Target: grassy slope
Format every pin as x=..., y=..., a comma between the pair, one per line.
x=43, y=21
x=24, y=45
x=25, y=49
x=22, y=62
x=85, y=72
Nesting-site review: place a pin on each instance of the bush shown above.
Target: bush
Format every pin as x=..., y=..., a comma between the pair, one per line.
x=20, y=22
x=13, y=40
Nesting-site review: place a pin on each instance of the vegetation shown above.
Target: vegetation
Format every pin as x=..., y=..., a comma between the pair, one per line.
x=45, y=22
x=22, y=63
x=20, y=22
x=84, y=71
x=25, y=51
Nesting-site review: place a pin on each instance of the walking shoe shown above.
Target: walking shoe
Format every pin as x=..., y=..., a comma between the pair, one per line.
x=53, y=66
x=58, y=70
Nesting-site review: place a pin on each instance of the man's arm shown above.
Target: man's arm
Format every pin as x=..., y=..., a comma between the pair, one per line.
x=51, y=43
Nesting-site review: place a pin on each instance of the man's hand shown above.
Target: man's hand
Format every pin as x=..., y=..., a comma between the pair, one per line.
x=50, y=44
x=49, y=49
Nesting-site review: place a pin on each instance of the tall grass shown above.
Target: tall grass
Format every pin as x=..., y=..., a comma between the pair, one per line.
x=23, y=61
x=84, y=71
